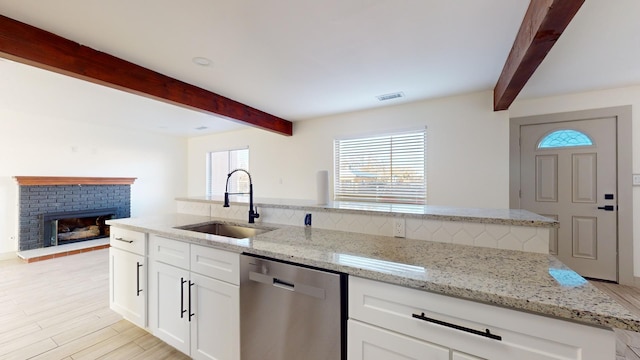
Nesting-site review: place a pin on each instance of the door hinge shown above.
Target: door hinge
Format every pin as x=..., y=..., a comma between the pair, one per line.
x=520, y=194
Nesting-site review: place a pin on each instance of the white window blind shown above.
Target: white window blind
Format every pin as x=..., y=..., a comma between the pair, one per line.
x=388, y=168
x=219, y=164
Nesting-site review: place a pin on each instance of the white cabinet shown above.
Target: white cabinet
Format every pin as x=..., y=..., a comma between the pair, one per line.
x=370, y=342
x=128, y=275
x=464, y=329
x=168, y=313
x=195, y=299
x=460, y=356
x=215, y=325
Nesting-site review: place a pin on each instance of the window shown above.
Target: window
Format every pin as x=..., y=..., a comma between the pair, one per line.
x=388, y=168
x=565, y=138
x=220, y=164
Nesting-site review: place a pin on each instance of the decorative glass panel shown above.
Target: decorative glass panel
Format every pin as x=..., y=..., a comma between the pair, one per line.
x=565, y=138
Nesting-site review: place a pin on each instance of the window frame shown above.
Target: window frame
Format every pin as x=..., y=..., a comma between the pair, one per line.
x=388, y=190
x=237, y=181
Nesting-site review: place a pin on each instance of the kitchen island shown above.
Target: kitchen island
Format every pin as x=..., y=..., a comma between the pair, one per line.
x=483, y=279
x=537, y=283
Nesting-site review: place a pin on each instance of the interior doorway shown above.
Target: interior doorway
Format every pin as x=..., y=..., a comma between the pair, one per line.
x=576, y=167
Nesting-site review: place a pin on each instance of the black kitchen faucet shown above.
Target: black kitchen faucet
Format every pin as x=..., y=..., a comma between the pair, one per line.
x=252, y=214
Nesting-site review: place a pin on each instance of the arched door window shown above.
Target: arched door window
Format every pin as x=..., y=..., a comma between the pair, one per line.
x=564, y=138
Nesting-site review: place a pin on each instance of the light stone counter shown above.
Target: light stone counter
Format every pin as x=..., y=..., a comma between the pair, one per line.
x=531, y=282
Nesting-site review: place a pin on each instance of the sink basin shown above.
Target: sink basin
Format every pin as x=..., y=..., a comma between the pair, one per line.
x=224, y=229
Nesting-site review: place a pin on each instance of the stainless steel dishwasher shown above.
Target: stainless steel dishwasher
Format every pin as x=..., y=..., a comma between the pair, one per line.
x=290, y=312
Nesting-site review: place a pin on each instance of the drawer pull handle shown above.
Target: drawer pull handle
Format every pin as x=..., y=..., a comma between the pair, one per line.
x=123, y=240
x=487, y=333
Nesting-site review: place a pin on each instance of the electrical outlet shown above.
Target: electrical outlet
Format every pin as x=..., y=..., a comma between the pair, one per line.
x=398, y=227
x=636, y=179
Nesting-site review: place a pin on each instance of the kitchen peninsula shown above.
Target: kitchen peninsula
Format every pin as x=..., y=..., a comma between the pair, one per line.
x=531, y=299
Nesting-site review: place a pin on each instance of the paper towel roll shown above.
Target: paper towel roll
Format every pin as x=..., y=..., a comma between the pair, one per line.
x=322, y=182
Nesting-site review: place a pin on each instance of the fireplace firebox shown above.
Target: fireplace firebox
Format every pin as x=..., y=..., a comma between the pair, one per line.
x=75, y=226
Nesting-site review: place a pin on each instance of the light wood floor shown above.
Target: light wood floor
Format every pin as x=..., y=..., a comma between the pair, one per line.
x=59, y=309
x=628, y=343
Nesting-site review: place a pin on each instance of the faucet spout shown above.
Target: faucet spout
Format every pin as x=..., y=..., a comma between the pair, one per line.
x=253, y=214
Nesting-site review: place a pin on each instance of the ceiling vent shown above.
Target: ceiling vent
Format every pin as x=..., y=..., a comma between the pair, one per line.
x=201, y=128
x=390, y=96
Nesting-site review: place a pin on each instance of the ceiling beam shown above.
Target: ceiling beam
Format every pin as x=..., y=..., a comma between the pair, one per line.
x=543, y=23
x=33, y=46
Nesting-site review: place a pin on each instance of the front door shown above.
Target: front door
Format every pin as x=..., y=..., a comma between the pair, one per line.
x=568, y=172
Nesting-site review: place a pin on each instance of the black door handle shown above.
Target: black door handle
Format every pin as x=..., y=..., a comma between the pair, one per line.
x=138, y=278
x=190, y=313
x=182, y=310
x=606, y=208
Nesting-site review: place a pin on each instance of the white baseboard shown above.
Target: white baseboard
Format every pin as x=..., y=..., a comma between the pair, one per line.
x=12, y=255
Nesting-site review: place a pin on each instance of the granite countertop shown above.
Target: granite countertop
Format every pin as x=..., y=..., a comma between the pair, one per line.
x=443, y=213
x=537, y=283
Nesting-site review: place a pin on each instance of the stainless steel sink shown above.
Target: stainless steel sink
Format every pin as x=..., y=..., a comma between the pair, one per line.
x=224, y=229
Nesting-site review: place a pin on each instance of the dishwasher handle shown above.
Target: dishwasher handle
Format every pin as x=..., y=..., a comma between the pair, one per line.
x=284, y=285
x=304, y=289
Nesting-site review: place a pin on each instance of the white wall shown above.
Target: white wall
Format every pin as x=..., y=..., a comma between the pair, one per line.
x=37, y=146
x=595, y=100
x=467, y=150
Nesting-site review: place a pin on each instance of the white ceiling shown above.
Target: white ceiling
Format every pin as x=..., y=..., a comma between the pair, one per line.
x=300, y=59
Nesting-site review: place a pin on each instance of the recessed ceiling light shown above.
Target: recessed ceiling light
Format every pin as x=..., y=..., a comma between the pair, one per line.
x=390, y=96
x=202, y=61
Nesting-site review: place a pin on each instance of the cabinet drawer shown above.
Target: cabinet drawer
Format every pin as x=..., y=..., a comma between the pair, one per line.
x=129, y=240
x=460, y=356
x=218, y=264
x=368, y=342
x=523, y=335
x=169, y=251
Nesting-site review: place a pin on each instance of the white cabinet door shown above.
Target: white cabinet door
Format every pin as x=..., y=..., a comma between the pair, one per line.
x=168, y=305
x=127, y=285
x=215, y=325
x=366, y=342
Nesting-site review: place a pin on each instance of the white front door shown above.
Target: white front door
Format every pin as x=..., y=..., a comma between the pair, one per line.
x=568, y=172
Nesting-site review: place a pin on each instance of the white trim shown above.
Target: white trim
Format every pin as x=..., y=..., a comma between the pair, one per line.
x=8, y=255
x=381, y=133
x=229, y=149
x=625, y=189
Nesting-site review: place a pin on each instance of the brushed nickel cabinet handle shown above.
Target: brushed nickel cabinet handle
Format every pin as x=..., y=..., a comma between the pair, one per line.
x=124, y=240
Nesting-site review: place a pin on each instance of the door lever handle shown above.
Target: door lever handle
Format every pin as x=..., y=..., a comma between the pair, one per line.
x=606, y=208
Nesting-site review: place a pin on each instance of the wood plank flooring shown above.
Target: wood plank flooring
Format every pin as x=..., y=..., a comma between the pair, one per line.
x=58, y=309
x=628, y=343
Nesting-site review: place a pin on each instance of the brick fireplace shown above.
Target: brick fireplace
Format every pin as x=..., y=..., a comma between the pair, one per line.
x=58, y=210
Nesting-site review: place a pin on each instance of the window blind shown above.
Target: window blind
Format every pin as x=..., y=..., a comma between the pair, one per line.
x=387, y=168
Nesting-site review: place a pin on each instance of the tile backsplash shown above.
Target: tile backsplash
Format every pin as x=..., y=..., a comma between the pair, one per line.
x=523, y=238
